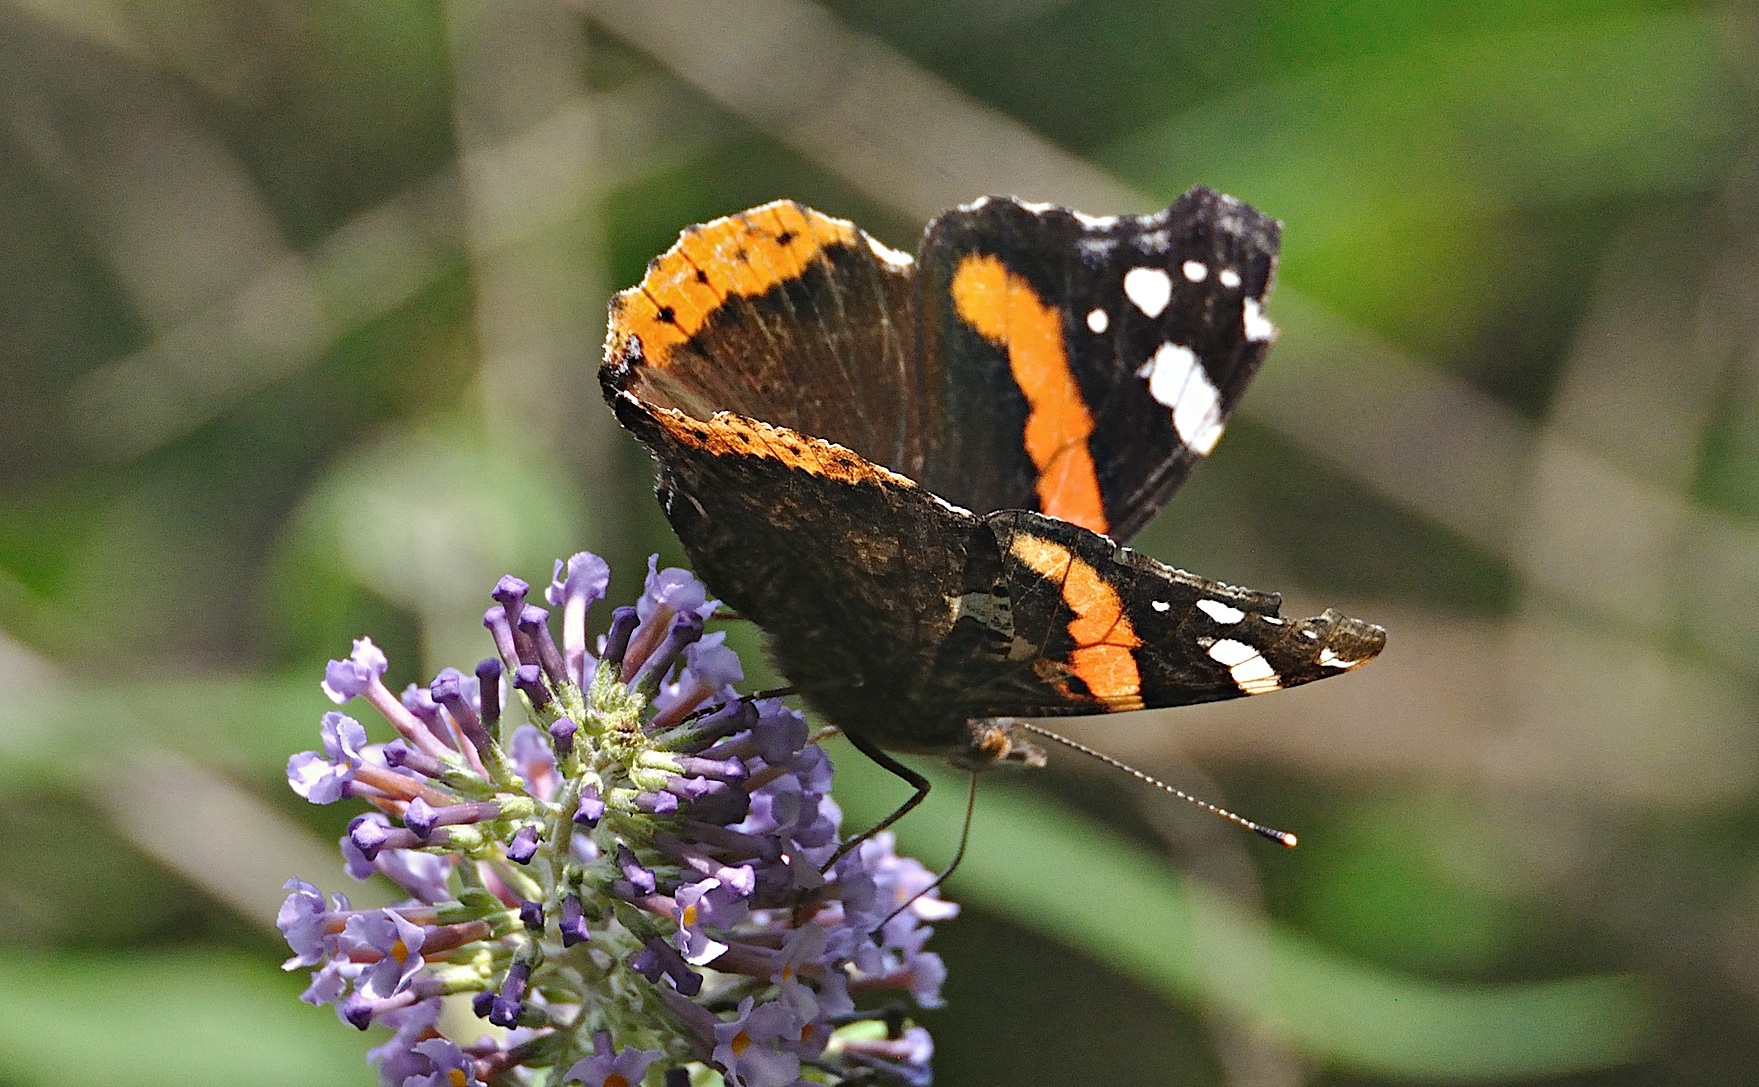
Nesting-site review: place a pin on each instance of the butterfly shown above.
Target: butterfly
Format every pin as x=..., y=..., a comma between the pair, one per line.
x=916, y=474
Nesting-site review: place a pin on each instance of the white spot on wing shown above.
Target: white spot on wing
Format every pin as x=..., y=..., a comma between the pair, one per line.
x=1195, y=270
x=1220, y=612
x=1257, y=327
x=1150, y=288
x=1176, y=379
x=1229, y=653
x=1272, y=620
x=1331, y=660
x=1097, y=321
x=1167, y=370
x=1250, y=671
x=1229, y=277
x=1159, y=605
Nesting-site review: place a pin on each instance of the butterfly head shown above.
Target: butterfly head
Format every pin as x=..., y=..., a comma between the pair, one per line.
x=997, y=741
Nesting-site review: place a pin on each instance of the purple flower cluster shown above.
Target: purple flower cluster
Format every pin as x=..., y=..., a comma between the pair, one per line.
x=613, y=858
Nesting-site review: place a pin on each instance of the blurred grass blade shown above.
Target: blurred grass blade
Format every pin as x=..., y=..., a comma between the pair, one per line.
x=235, y=723
x=190, y=1019
x=1080, y=883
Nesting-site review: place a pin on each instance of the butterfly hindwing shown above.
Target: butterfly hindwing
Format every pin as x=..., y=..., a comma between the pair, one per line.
x=852, y=571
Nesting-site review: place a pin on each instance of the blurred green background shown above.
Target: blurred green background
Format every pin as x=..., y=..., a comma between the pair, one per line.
x=299, y=306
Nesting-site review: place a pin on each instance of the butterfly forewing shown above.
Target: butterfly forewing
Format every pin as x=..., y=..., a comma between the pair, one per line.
x=1111, y=629
x=1113, y=350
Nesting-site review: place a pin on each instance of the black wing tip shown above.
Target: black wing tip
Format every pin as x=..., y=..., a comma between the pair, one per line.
x=1256, y=232
x=1351, y=632
x=1335, y=642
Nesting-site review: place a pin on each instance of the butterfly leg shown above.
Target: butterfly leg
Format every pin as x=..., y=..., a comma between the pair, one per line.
x=897, y=769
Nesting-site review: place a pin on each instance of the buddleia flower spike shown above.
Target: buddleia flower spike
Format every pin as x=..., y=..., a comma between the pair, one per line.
x=612, y=857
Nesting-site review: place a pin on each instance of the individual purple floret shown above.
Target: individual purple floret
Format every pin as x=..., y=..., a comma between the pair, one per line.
x=607, y=1068
x=457, y=694
x=710, y=671
x=351, y=678
x=324, y=779
x=756, y=1049
x=658, y=959
x=624, y=620
x=396, y=1059
x=529, y=679
x=631, y=886
x=362, y=676
x=685, y=630
x=673, y=590
x=501, y=629
x=448, y=1065
x=488, y=682
x=504, y=1006
x=702, y=906
x=524, y=845
x=905, y=1058
x=510, y=593
x=534, y=626
x=304, y=921
x=423, y=876
x=591, y=808
x=575, y=929
x=562, y=732
x=668, y=595
x=641, y=879
x=391, y=944
x=577, y=585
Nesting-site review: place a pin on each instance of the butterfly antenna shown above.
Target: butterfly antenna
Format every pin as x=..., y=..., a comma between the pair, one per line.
x=958, y=855
x=1281, y=836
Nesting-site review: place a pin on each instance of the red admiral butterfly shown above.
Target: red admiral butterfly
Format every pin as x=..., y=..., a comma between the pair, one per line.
x=912, y=474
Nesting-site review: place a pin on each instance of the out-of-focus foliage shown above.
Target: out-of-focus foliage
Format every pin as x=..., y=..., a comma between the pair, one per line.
x=299, y=305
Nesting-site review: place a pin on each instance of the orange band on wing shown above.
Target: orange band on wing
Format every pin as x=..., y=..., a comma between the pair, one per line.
x=741, y=255
x=727, y=434
x=1006, y=311
x=1101, y=630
